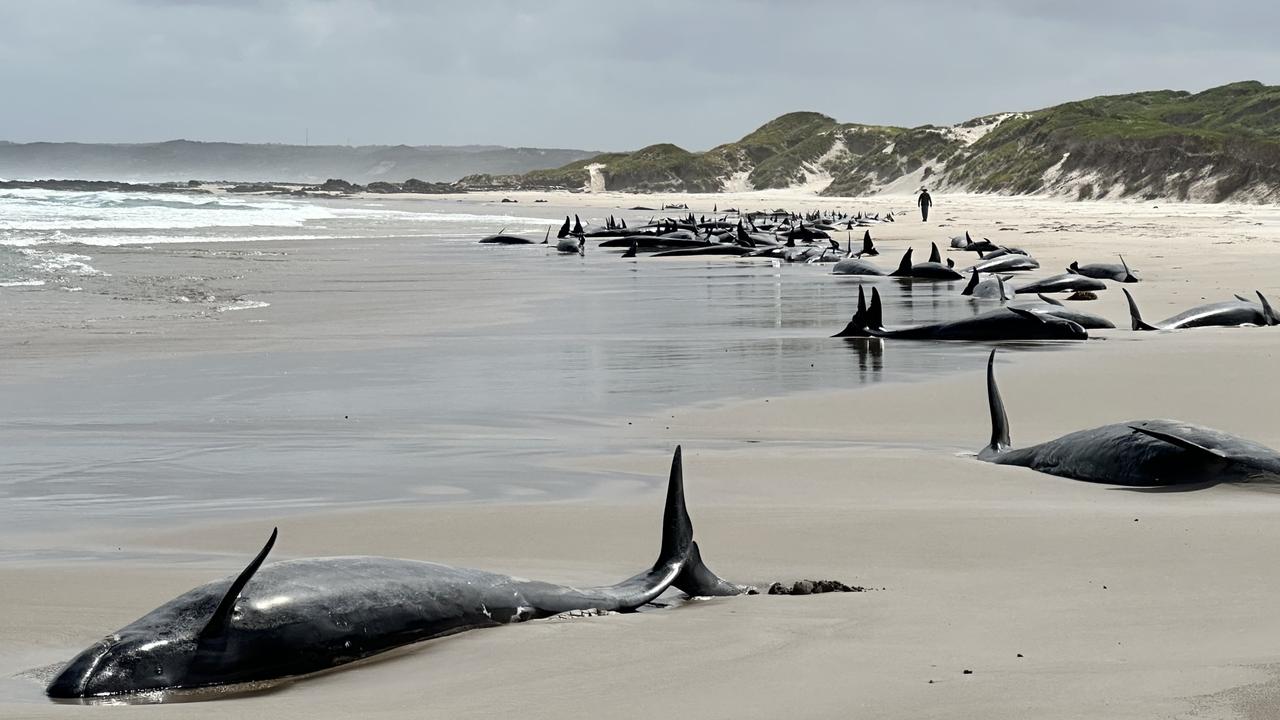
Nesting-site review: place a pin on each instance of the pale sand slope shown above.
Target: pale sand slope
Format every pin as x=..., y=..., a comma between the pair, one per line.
x=1168, y=616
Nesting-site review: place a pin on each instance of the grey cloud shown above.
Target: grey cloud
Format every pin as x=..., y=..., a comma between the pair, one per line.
x=606, y=75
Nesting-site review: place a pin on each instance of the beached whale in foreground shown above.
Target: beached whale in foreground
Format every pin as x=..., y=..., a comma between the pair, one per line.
x=1010, y=323
x=296, y=617
x=1140, y=453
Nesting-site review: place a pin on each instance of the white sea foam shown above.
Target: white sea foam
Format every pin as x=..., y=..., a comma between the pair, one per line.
x=244, y=305
x=58, y=263
x=39, y=217
x=52, y=211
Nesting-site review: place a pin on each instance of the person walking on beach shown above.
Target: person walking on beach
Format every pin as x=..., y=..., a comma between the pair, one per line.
x=925, y=202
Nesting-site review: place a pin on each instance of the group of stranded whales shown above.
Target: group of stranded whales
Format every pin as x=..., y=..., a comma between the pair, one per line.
x=293, y=618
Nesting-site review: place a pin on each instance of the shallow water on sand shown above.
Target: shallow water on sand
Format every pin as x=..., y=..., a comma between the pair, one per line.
x=448, y=415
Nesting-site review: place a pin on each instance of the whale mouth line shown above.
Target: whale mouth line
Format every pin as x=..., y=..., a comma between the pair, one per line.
x=174, y=695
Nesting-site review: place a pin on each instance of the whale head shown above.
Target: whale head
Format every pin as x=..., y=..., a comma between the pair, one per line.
x=126, y=663
x=181, y=644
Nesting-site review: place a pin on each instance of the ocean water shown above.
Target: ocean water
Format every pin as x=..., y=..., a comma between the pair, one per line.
x=461, y=415
x=34, y=221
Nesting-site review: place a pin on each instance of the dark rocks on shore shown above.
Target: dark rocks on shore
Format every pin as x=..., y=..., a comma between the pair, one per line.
x=258, y=188
x=812, y=587
x=99, y=186
x=338, y=185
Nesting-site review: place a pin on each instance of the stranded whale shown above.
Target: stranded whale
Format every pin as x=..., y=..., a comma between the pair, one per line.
x=1232, y=313
x=1142, y=453
x=1009, y=323
x=296, y=617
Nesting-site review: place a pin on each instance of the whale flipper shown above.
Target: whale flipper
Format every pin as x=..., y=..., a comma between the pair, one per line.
x=1051, y=301
x=1180, y=442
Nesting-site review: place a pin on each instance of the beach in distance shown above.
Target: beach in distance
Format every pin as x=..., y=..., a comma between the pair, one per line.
x=364, y=375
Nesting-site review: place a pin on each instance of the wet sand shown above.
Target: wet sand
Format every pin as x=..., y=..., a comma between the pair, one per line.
x=1120, y=603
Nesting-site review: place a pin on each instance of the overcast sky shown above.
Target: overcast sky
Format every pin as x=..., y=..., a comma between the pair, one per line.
x=592, y=74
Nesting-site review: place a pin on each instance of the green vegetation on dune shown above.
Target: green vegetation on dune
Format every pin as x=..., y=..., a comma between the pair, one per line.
x=664, y=167
x=1154, y=144
x=1162, y=143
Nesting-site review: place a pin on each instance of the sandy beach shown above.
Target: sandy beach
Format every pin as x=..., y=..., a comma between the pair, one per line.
x=992, y=591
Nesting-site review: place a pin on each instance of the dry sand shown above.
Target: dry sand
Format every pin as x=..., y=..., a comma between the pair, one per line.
x=1064, y=599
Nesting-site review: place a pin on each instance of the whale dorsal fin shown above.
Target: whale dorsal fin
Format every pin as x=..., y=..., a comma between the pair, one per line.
x=546, y=237
x=951, y=263
x=934, y=255
x=973, y=283
x=221, y=618
x=1183, y=443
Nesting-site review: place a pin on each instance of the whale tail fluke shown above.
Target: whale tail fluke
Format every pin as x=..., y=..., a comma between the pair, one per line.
x=697, y=580
x=875, y=317
x=677, y=528
x=904, y=265
x=868, y=245
x=999, y=420
x=679, y=548
x=1129, y=277
x=1135, y=317
x=1267, y=312
x=857, y=326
